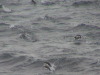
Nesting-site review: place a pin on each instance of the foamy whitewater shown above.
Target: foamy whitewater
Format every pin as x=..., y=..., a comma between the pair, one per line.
x=44, y=31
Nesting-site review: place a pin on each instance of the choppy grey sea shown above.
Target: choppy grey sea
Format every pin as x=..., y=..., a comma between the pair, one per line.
x=34, y=33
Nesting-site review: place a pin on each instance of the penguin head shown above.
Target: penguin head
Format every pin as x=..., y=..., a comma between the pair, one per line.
x=77, y=37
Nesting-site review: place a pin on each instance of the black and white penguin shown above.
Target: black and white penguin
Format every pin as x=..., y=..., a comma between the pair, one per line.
x=50, y=66
x=78, y=37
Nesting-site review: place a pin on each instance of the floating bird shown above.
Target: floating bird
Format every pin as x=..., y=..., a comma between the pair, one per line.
x=50, y=66
x=77, y=37
x=28, y=37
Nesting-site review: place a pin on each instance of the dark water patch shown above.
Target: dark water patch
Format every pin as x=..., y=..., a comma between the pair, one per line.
x=82, y=3
x=68, y=36
x=13, y=61
x=94, y=71
x=4, y=24
x=0, y=6
x=77, y=43
x=93, y=53
x=60, y=23
x=67, y=50
x=30, y=63
x=7, y=34
x=11, y=57
x=94, y=35
x=85, y=27
x=95, y=43
x=48, y=3
x=56, y=56
x=77, y=64
x=11, y=18
x=52, y=2
x=15, y=4
x=38, y=63
x=4, y=30
x=95, y=14
x=52, y=29
x=64, y=18
x=4, y=27
x=2, y=11
x=47, y=29
x=21, y=62
x=6, y=56
x=35, y=23
x=18, y=16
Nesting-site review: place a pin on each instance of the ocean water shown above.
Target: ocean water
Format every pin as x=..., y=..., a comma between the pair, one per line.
x=34, y=33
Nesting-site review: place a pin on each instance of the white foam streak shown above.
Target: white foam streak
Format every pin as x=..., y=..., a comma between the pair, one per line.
x=6, y=9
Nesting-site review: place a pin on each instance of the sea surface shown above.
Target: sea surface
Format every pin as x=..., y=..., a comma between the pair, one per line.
x=34, y=33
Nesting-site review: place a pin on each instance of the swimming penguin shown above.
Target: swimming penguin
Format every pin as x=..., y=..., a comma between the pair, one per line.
x=33, y=2
x=28, y=37
x=77, y=37
x=23, y=36
x=78, y=40
x=50, y=66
